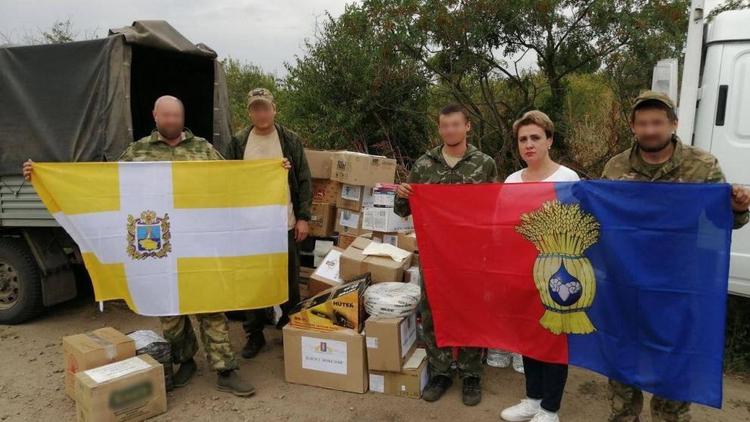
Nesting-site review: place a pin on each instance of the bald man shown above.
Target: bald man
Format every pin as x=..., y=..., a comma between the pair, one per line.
x=171, y=141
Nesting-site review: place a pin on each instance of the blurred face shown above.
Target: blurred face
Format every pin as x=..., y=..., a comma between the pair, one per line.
x=533, y=144
x=169, y=116
x=652, y=129
x=453, y=128
x=262, y=114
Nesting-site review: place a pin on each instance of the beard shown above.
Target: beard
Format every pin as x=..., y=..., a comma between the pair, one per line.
x=654, y=146
x=169, y=132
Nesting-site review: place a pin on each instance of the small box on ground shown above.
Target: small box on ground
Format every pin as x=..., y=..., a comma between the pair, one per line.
x=389, y=342
x=355, y=168
x=128, y=390
x=409, y=382
x=334, y=360
x=355, y=262
x=93, y=349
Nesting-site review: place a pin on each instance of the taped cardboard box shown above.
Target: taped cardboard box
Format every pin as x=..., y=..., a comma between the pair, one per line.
x=93, y=349
x=354, y=262
x=130, y=390
x=319, y=162
x=354, y=197
x=322, y=219
x=384, y=220
x=389, y=342
x=409, y=382
x=326, y=275
x=355, y=168
x=333, y=309
x=407, y=241
x=349, y=222
x=325, y=190
x=334, y=360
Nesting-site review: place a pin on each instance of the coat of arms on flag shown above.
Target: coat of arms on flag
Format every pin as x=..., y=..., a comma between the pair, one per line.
x=175, y=238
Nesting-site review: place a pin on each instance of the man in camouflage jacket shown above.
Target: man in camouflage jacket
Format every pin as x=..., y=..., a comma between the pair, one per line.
x=455, y=161
x=658, y=155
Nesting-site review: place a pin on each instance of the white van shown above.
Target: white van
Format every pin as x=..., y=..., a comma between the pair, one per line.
x=714, y=107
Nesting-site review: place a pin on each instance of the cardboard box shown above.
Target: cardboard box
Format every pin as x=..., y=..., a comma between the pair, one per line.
x=409, y=382
x=93, y=349
x=345, y=239
x=384, y=195
x=384, y=220
x=407, y=241
x=353, y=263
x=333, y=360
x=349, y=222
x=390, y=238
x=322, y=219
x=339, y=307
x=389, y=342
x=354, y=197
x=320, y=163
x=130, y=390
x=355, y=168
x=327, y=274
x=325, y=191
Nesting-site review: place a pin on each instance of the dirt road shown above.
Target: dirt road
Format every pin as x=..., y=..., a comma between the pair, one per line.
x=31, y=383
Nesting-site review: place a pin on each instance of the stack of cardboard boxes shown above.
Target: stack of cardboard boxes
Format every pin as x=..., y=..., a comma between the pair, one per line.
x=108, y=381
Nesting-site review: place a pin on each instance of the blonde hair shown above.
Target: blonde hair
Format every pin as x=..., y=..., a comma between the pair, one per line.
x=534, y=117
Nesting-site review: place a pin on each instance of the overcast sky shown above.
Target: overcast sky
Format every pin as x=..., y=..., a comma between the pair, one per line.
x=264, y=32
x=267, y=33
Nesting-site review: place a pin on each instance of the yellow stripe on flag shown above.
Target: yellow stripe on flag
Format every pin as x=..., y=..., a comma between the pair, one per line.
x=244, y=184
x=77, y=188
x=231, y=283
x=109, y=280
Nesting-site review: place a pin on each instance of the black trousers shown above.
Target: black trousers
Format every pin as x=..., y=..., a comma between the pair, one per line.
x=256, y=319
x=545, y=382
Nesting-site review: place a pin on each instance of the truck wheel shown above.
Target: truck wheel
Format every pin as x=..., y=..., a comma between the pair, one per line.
x=20, y=284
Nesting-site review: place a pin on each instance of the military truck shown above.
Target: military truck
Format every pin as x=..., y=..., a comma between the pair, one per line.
x=86, y=101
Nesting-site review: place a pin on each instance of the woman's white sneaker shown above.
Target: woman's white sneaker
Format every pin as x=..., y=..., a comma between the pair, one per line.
x=545, y=416
x=524, y=411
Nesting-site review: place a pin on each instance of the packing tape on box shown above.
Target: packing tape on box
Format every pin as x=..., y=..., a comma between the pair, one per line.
x=392, y=299
x=110, y=350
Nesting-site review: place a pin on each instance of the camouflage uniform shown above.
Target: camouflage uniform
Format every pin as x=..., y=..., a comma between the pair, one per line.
x=178, y=330
x=687, y=164
x=474, y=167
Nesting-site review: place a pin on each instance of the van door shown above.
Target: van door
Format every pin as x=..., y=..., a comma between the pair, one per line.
x=723, y=127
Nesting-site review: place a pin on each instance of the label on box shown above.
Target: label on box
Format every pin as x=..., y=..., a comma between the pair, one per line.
x=349, y=219
x=329, y=267
x=116, y=370
x=372, y=342
x=383, y=199
x=324, y=355
x=408, y=334
x=377, y=383
x=351, y=192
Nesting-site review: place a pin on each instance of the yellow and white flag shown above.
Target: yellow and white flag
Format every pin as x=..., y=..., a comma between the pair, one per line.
x=176, y=238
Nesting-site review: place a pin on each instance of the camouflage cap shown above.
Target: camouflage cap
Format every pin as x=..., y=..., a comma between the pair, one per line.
x=259, y=94
x=653, y=96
